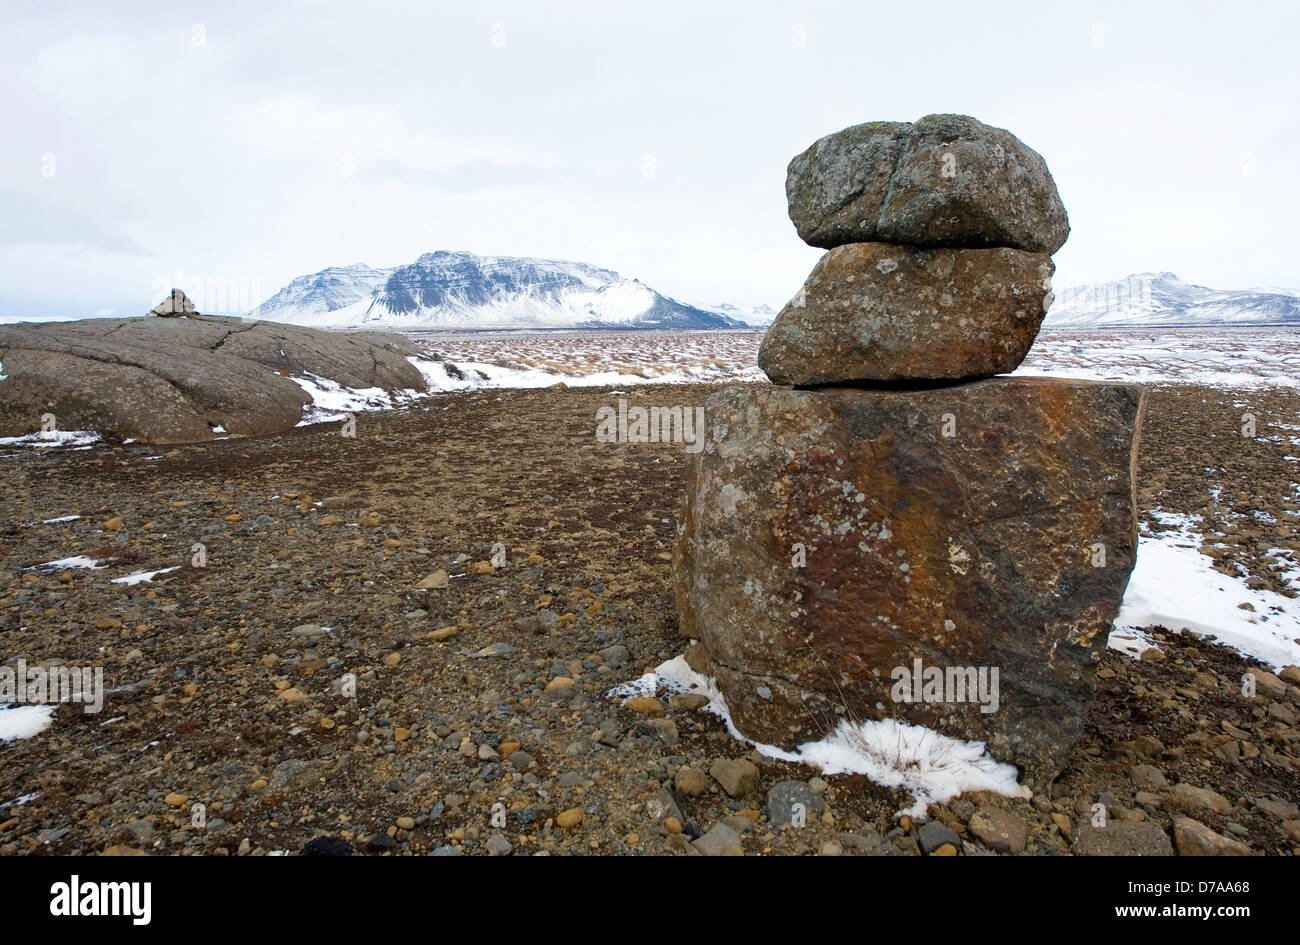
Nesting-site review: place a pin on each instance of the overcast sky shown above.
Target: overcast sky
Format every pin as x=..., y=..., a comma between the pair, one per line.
x=255, y=142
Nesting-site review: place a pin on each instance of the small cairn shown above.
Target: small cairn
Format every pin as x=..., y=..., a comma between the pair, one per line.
x=176, y=305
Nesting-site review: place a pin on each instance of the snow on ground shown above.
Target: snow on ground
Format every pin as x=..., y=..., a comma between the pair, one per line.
x=20, y=800
x=332, y=401
x=76, y=561
x=932, y=767
x=1131, y=641
x=24, y=721
x=1215, y=357
x=139, y=577
x=52, y=438
x=1224, y=357
x=1174, y=586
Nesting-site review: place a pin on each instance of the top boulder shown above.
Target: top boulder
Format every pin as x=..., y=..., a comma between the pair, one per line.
x=946, y=180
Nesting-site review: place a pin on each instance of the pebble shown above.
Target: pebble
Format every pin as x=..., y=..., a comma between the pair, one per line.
x=1148, y=776
x=497, y=650
x=521, y=760
x=719, y=839
x=438, y=579
x=1193, y=838
x=999, y=830
x=688, y=700
x=934, y=835
x=784, y=795
x=1190, y=796
x=690, y=782
x=737, y=776
x=646, y=705
x=569, y=818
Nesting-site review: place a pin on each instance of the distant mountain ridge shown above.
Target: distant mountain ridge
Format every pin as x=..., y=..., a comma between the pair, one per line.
x=463, y=290
x=758, y=316
x=1161, y=299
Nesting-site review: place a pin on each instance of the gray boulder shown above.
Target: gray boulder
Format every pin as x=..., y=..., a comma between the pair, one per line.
x=946, y=180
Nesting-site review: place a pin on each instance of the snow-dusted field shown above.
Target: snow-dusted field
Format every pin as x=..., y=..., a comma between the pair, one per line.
x=540, y=359
x=1242, y=357
x=1213, y=357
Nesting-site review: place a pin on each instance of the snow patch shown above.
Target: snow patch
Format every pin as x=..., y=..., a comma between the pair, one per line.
x=932, y=767
x=52, y=438
x=76, y=561
x=138, y=577
x=24, y=721
x=1174, y=586
x=332, y=401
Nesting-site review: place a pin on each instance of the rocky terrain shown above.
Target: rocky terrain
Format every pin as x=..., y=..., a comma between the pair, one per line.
x=480, y=721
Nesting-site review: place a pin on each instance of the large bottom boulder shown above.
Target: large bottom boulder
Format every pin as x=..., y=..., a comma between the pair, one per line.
x=950, y=557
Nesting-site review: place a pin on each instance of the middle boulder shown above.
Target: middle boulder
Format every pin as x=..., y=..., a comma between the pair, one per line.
x=884, y=312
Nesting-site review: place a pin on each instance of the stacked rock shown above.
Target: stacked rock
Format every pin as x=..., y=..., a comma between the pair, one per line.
x=897, y=533
x=940, y=236
x=176, y=305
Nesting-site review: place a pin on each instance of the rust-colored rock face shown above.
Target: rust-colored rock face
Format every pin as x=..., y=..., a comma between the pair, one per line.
x=833, y=538
x=886, y=312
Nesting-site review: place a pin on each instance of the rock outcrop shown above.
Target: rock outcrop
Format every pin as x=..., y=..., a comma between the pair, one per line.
x=173, y=380
x=923, y=545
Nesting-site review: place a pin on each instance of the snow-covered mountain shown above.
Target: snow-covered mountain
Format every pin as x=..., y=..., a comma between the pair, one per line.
x=462, y=290
x=1161, y=299
x=759, y=316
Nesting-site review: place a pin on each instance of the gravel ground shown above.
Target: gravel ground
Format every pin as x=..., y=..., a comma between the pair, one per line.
x=480, y=722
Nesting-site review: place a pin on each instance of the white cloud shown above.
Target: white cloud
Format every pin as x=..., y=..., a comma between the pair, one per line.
x=293, y=138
